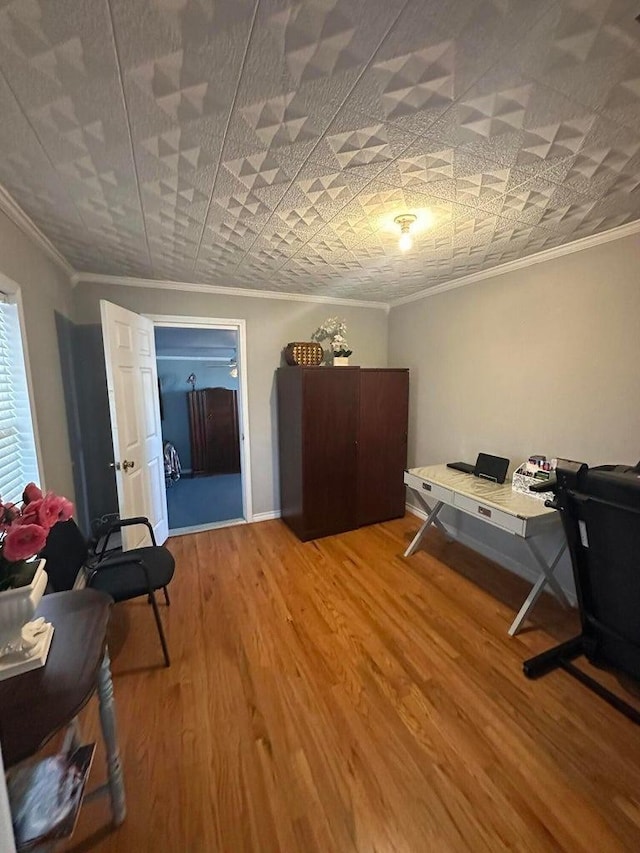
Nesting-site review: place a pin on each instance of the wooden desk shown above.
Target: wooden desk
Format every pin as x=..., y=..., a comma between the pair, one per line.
x=495, y=504
x=37, y=704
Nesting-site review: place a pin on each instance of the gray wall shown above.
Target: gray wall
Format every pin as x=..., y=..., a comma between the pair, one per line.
x=69, y=364
x=271, y=324
x=541, y=360
x=94, y=446
x=45, y=290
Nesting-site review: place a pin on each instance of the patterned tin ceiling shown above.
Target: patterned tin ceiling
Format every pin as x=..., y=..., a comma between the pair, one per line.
x=269, y=145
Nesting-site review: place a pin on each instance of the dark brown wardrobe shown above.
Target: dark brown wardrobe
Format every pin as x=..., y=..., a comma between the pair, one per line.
x=214, y=432
x=343, y=446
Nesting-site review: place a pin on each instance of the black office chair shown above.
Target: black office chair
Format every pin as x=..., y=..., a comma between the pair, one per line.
x=121, y=574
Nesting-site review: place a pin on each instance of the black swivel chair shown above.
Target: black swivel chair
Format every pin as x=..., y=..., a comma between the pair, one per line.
x=600, y=510
x=121, y=574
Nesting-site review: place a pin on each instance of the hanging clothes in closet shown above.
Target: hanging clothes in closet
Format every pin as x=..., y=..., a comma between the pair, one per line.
x=172, y=467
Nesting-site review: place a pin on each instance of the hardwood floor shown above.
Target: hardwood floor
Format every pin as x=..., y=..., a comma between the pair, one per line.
x=334, y=696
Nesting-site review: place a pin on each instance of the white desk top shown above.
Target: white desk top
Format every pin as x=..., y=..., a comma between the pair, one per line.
x=500, y=496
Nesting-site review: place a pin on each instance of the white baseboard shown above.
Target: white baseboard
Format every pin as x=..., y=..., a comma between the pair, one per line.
x=518, y=568
x=265, y=516
x=234, y=522
x=201, y=528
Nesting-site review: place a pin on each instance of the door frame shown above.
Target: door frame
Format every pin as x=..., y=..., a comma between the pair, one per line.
x=239, y=326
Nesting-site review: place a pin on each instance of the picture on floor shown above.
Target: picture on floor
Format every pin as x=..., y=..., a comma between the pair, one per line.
x=198, y=383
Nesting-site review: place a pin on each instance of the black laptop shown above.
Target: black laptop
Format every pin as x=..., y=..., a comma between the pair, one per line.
x=488, y=467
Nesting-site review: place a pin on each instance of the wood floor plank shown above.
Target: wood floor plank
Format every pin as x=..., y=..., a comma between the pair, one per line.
x=336, y=697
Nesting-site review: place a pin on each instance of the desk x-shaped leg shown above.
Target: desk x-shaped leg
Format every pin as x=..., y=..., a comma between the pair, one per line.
x=546, y=569
x=546, y=576
x=432, y=518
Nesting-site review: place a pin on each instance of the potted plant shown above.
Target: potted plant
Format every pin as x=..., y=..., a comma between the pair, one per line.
x=23, y=534
x=334, y=330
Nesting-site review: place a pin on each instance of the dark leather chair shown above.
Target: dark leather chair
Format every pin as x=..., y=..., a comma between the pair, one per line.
x=121, y=574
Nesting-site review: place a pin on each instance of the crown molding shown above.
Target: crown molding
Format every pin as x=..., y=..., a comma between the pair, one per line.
x=195, y=287
x=530, y=260
x=16, y=214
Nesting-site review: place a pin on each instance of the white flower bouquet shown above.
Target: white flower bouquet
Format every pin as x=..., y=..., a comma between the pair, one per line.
x=334, y=330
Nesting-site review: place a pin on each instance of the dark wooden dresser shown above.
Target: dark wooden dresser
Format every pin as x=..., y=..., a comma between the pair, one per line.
x=343, y=447
x=214, y=432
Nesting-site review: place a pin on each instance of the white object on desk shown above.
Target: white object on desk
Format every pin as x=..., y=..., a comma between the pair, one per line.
x=24, y=645
x=33, y=652
x=495, y=504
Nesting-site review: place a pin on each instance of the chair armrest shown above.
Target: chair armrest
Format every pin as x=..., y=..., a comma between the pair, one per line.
x=93, y=570
x=127, y=522
x=117, y=524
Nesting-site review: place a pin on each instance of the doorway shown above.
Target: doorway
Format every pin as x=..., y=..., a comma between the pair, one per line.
x=202, y=393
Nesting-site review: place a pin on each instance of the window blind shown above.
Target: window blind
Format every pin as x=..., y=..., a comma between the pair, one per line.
x=18, y=460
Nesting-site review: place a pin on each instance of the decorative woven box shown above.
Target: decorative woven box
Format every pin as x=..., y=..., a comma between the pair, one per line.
x=304, y=353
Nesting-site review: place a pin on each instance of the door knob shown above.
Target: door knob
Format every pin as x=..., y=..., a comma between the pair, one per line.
x=126, y=465
x=115, y=465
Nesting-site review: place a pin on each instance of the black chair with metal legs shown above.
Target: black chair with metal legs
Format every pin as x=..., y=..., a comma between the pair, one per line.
x=122, y=574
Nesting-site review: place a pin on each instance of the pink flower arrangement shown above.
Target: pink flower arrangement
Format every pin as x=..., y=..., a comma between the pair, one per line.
x=24, y=531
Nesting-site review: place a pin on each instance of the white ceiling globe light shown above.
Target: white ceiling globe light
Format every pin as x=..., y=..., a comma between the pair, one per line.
x=405, y=242
x=405, y=221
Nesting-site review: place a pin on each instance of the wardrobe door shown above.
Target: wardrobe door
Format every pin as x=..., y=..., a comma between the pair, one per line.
x=223, y=434
x=197, y=432
x=215, y=435
x=382, y=444
x=329, y=449
x=290, y=417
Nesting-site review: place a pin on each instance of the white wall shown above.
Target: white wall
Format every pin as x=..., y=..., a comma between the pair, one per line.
x=271, y=324
x=545, y=359
x=45, y=290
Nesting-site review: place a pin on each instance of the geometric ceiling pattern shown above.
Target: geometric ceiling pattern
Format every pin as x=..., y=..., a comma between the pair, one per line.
x=268, y=145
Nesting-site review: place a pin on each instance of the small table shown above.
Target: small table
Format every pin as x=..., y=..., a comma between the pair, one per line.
x=495, y=504
x=37, y=704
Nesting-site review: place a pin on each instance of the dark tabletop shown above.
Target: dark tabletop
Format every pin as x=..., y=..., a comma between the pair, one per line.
x=37, y=704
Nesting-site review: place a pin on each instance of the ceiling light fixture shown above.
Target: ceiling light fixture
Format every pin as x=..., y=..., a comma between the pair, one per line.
x=405, y=221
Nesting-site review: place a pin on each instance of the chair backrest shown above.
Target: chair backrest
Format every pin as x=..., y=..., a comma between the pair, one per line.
x=601, y=515
x=66, y=552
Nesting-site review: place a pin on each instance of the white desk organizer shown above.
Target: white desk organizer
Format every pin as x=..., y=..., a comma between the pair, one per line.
x=24, y=644
x=535, y=470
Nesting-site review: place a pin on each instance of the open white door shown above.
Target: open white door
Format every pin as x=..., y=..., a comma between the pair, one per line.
x=132, y=382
